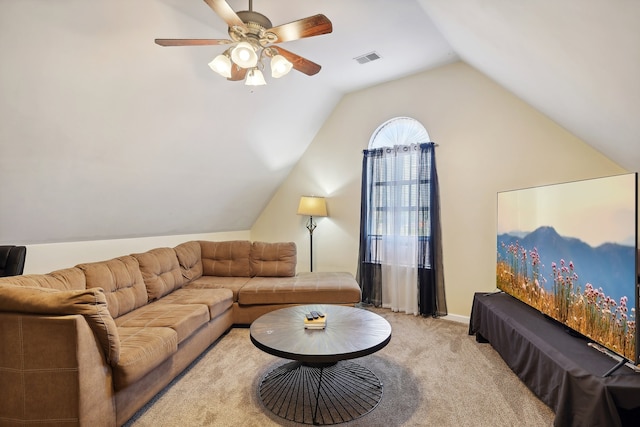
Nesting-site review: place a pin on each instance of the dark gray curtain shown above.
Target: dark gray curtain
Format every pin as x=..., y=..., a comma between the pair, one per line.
x=430, y=286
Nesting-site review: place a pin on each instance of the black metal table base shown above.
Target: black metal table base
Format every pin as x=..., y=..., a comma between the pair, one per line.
x=320, y=394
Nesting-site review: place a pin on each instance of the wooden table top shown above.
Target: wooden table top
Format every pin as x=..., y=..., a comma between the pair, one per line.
x=349, y=333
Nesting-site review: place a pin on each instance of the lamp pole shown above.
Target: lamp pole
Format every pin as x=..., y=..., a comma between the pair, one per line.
x=311, y=226
x=312, y=206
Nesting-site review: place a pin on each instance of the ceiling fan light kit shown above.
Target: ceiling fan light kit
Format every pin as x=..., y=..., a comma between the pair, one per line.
x=255, y=38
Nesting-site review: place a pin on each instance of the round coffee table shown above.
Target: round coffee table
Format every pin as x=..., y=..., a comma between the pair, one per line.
x=320, y=386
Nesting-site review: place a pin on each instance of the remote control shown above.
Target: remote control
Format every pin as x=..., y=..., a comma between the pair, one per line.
x=309, y=316
x=320, y=314
x=314, y=314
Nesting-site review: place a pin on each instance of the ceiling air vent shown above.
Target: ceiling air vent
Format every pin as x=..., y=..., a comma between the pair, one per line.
x=367, y=57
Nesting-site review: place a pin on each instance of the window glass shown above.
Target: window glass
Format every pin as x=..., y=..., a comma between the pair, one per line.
x=398, y=192
x=399, y=131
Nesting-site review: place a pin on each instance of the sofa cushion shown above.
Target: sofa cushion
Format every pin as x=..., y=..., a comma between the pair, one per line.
x=234, y=284
x=184, y=319
x=190, y=258
x=306, y=288
x=273, y=259
x=90, y=303
x=217, y=300
x=230, y=258
x=142, y=349
x=66, y=279
x=160, y=271
x=121, y=280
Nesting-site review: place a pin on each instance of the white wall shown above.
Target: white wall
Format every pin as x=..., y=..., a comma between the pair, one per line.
x=54, y=256
x=489, y=141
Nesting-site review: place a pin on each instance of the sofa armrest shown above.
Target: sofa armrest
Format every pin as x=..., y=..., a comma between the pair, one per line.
x=53, y=371
x=91, y=303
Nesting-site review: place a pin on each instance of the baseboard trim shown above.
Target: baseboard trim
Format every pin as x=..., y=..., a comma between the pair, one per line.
x=456, y=318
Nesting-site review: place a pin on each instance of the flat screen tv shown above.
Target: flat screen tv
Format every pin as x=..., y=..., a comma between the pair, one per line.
x=570, y=251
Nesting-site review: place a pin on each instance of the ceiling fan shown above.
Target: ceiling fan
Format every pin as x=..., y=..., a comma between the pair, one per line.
x=253, y=38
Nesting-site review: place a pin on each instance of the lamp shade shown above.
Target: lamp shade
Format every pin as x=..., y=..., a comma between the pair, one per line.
x=221, y=64
x=280, y=66
x=255, y=78
x=244, y=55
x=312, y=206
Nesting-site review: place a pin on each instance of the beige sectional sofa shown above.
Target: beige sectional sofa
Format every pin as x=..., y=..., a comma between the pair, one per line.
x=90, y=345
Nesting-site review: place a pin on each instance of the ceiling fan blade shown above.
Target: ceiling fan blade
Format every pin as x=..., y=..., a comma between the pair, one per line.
x=307, y=27
x=222, y=8
x=299, y=63
x=191, y=42
x=237, y=73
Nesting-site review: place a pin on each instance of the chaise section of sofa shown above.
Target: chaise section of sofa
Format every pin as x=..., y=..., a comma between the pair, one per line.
x=90, y=345
x=262, y=277
x=264, y=294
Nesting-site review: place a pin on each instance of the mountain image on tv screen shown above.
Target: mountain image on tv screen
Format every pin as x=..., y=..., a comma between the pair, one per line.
x=570, y=251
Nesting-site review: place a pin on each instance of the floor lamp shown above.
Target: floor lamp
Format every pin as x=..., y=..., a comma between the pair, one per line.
x=312, y=206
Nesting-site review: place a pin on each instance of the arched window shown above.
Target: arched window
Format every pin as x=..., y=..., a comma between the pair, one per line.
x=400, y=263
x=399, y=131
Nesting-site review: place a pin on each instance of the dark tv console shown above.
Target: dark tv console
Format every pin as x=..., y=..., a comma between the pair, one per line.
x=561, y=369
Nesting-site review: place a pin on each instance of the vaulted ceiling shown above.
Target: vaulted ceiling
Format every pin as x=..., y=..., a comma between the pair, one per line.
x=104, y=134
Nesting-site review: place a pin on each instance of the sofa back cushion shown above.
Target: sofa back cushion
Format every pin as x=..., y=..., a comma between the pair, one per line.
x=121, y=280
x=160, y=271
x=63, y=280
x=273, y=259
x=230, y=258
x=190, y=259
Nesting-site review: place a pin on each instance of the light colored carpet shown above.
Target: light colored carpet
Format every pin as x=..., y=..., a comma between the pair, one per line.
x=434, y=374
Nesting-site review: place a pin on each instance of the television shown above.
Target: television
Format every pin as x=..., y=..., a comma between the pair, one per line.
x=570, y=250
